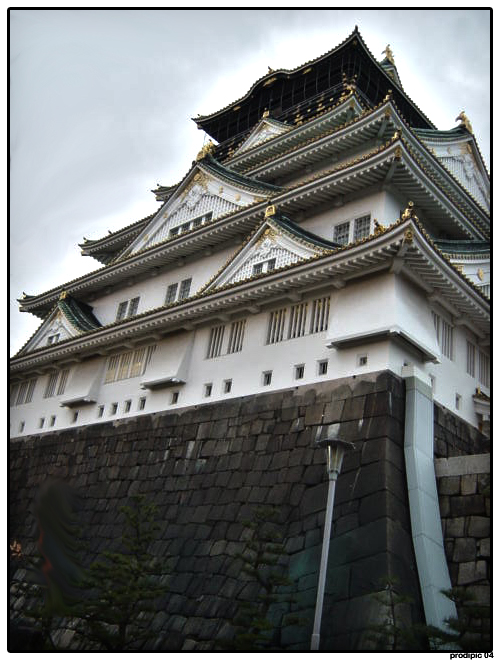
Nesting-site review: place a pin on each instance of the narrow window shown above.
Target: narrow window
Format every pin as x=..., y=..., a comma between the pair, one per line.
x=322, y=367
x=142, y=403
x=236, y=333
x=52, y=420
x=53, y=339
x=175, y=398
x=361, y=227
x=276, y=326
x=21, y=427
x=122, y=310
x=171, y=293
x=362, y=360
x=257, y=269
x=123, y=371
x=458, y=401
x=471, y=359
x=41, y=422
x=31, y=389
x=184, y=290
x=63, y=379
x=13, y=394
x=484, y=369
x=267, y=377
x=51, y=386
x=447, y=339
x=197, y=222
x=100, y=411
x=137, y=362
x=297, y=323
x=208, y=389
x=227, y=386
x=22, y=393
x=114, y=408
x=341, y=233
x=299, y=371
x=174, y=231
x=271, y=265
x=320, y=314
x=127, y=406
x=75, y=416
x=111, y=372
x=133, y=307
x=215, y=341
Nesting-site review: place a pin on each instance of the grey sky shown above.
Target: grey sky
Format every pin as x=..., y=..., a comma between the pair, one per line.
x=101, y=103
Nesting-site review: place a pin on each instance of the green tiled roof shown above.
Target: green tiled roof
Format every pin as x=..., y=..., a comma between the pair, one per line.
x=239, y=179
x=463, y=247
x=300, y=232
x=78, y=313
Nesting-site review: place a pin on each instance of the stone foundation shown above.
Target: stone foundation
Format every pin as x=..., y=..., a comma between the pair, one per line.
x=207, y=468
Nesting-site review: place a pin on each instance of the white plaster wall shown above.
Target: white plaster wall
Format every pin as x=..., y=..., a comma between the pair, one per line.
x=152, y=292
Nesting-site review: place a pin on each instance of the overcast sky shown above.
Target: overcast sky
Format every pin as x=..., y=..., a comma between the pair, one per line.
x=101, y=101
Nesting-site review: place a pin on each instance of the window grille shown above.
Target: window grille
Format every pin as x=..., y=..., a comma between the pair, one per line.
x=134, y=304
x=51, y=386
x=63, y=379
x=299, y=371
x=142, y=403
x=322, y=367
x=361, y=227
x=341, y=233
x=174, y=231
x=52, y=420
x=297, y=324
x=215, y=341
x=446, y=339
x=31, y=389
x=100, y=411
x=122, y=310
x=171, y=293
x=237, y=331
x=227, y=386
x=257, y=269
x=208, y=389
x=13, y=394
x=137, y=362
x=53, y=339
x=127, y=406
x=484, y=369
x=276, y=326
x=320, y=314
x=22, y=393
x=113, y=363
x=184, y=289
x=123, y=371
x=185, y=227
x=267, y=377
x=471, y=359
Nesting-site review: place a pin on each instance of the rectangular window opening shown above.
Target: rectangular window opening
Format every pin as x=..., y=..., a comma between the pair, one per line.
x=322, y=367
x=127, y=406
x=299, y=371
x=100, y=411
x=208, y=389
x=75, y=416
x=267, y=377
x=142, y=403
x=52, y=420
x=227, y=386
x=114, y=409
x=175, y=398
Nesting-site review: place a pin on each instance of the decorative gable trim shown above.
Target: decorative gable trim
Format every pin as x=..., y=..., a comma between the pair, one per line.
x=276, y=244
x=265, y=130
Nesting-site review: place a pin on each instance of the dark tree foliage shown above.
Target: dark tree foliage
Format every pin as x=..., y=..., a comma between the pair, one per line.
x=261, y=564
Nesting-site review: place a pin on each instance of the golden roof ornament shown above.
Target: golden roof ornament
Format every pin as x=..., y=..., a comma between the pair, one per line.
x=64, y=295
x=409, y=212
x=388, y=96
x=379, y=229
x=388, y=53
x=265, y=114
x=465, y=121
x=205, y=150
x=270, y=210
x=269, y=70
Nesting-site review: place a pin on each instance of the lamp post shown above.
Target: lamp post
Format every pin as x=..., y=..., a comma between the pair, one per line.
x=327, y=436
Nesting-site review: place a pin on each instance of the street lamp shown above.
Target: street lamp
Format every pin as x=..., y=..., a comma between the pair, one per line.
x=327, y=436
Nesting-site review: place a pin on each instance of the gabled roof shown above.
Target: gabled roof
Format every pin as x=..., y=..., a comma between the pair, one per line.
x=277, y=238
x=74, y=316
x=352, y=54
x=405, y=239
x=266, y=129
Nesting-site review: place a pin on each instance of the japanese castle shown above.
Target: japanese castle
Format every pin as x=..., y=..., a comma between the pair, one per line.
x=326, y=229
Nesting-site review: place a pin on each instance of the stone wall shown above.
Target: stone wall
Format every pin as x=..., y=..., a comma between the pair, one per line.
x=465, y=500
x=207, y=468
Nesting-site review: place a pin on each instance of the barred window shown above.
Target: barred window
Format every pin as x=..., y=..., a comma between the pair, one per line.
x=53, y=339
x=471, y=359
x=361, y=227
x=128, y=365
x=171, y=293
x=320, y=314
x=215, y=341
x=341, y=233
x=184, y=289
x=112, y=369
x=22, y=392
x=123, y=370
x=51, y=385
x=63, y=379
x=236, y=333
x=276, y=326
x=444, y=335
x=137, y=362
x=297, y=324
x=127, y=308
x=484, y=369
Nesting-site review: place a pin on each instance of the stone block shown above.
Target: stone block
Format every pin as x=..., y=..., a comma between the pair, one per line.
x=333, y=412
x=468, y=484
x=455, y=527
x=468, y=505
x=471, y=571
x=313, y=499
x=478, y=527
x=484, y=548
x=444, y=505
x=464, y=550
x=313, y=414
x=294, y=545
x=353, y=408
